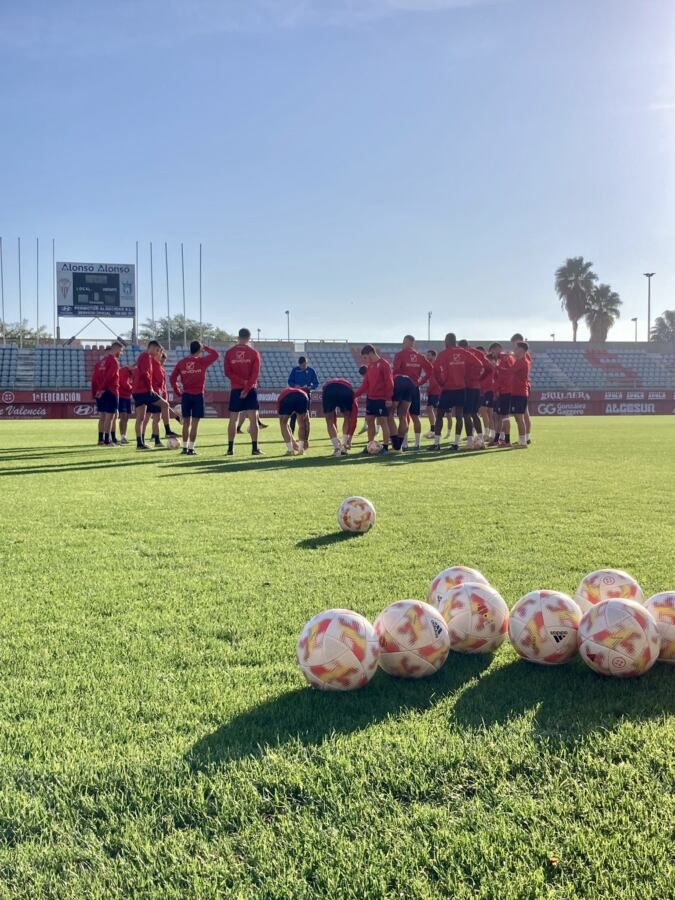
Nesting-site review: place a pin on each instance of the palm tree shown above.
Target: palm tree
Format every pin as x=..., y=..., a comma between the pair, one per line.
x=663, y=329
x=574, y=283
x=602, y=311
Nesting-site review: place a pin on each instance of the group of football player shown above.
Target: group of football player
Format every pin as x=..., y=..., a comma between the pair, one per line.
x=477, y=389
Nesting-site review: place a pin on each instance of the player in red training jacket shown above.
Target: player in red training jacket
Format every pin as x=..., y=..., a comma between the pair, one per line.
x=476, y=365
x=450, y=372
x=411, y=369
x=503, y=385
x=378, y=387
x=188, y=381
x=105, y=390
x=520, y=390
x=338, y=395
x=515, y=340
x=159, y=408
x=144, y=392
x=242, y=367
x=294, y=401
x=124, y=403
x=487, y=397
x=433, y=392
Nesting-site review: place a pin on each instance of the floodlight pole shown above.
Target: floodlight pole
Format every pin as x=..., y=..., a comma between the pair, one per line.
x=37, y=291
x=634, y=319
x=20, y=298
x=152, y=293
x=56, y=312
x=649, y=276
x=429, y=326
x=201, y=317
x=2, y=296
x=182, y=275
x=288, y=325
x=134, y=327
x=168, y=302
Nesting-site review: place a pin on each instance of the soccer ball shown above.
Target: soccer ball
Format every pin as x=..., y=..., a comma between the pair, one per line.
x=477, y=617
x=448, y=579
x=338, y=651
x=374, y=447
x=662, y=608
x=177, y=412
x=619, y=637
x=413, y=639
x=356, y=514
x=605, y=584
x=174, y=443
x=543, y=627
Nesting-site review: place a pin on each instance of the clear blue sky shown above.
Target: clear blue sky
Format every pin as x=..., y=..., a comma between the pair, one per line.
x=357, y=161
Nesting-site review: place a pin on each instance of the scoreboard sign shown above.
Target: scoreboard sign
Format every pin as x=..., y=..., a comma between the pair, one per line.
x=107, y=290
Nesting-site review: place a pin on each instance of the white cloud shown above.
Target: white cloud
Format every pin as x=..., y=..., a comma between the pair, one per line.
x=665, y=106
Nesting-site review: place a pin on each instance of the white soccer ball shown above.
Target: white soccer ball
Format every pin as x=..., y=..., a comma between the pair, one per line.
x=543, y=627
x=356, y=514
x=413, y=639
x=662, y=608
x=374, y=447
x=605, y=584
x=619, y=637
x=174, y=443
x=477, y=617
x=338, y=650
x=448, y=579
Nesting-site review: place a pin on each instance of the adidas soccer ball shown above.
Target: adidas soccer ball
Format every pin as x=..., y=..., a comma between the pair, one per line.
x=174, y=443
x=356, y=514
x=338, y=650
x=662, y=608
x=619, y=637
x=477, y=617
x=448, y=579
x=413, y=639
x=605, y=584
x=543, y=627
x=374, y=447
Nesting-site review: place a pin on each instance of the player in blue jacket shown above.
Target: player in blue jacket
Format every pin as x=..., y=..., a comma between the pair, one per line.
x=304, y=377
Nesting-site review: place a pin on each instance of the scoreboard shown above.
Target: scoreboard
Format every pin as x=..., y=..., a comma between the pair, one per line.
x=106, y=290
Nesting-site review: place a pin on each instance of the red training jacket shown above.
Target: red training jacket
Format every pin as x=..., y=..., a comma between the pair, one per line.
x=106, y=375
x=126, y=374
x=520, y=377
x=242, y=367
x=142, y=374
x=191, y=372
x=450, y=368
x=474, y=368
x=413, y=364
x=503, y=378
x=378, y=383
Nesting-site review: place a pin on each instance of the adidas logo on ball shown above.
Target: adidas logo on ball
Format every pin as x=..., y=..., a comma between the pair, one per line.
x=436, y=627
x=558, y=636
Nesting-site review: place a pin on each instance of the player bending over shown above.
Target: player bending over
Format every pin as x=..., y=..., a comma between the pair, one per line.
x=450, y=373
x=188, y=381
x=294, y=402
x=105, y=390
x=242, y=367
x=378, y=387
x=338, y=396
x=410, y=370
x=520, y=389
x=515, y=340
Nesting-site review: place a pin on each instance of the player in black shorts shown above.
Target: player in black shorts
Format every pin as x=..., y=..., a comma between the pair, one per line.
x=294, y=402
x=338, y=396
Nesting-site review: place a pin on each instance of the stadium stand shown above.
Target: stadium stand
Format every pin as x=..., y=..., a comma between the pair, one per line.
x=556, y=366
x=9, y=354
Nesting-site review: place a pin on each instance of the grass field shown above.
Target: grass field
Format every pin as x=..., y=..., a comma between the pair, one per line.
x=157, y=739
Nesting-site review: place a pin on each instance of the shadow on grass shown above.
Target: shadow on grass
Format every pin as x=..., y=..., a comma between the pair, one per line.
x=326, y=540
x=567, y=702
x=310, y=716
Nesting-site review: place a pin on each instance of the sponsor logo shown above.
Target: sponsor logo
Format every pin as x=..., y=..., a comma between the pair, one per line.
x=558, y=636
x=613, y=395
x=565, y=395
x=623, y=409
x=128, y=288
x=8, y=397
x=57, y=397
x=656, y=395
x=561, y=409
x=436, y=627
x=635, y=395
x=23, y=412
x=84, y=410
x=619, y=662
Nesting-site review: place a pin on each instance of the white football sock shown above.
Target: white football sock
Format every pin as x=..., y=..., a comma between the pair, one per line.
x=289, y=444
x=418, y=438
x=335, y=442
x=437, y=440
x=301, y=445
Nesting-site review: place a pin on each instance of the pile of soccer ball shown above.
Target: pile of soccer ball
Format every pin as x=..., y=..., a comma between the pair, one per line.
x=608, y=623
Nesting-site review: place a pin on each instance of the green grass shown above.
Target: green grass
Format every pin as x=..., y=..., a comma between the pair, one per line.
x=157, y=739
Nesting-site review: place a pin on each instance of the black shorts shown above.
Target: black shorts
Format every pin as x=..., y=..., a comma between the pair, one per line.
x=450, y=399
x=295, y=403
x=503, y=404
x=124, y=405
x=472, y=402
x=147, y=399
x=154, y=409
x=376, y=407
x=107, y=402
x=337, y=397
x=249, y=403
x=518, y=405
x=488, y=399
x=192, y=406
x=404, y=389
x=433, y=400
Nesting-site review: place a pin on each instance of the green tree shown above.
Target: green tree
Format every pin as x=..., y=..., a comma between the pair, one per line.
x=602, y=311
x=663, y=329
x=178, y=327
x=22, y=333
x=574, y=283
